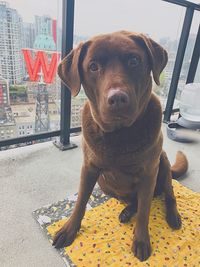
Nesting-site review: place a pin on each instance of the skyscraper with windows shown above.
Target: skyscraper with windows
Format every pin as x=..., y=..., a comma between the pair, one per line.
x=7, y=123
x=40, y=21
x=45, y=31
x=28, y=35
x=11, y=64
x=4, y=93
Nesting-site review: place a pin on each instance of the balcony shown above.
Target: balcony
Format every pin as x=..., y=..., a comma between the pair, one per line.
x=40, y=174
x=37, y=174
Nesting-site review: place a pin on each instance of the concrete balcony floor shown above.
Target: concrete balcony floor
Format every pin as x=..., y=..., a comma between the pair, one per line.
x=37, y=175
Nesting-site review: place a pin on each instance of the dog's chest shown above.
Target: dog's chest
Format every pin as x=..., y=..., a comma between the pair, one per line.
x=117, y=153
x=125, y=179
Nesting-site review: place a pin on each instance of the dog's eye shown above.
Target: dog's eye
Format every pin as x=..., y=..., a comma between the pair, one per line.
x=133, y=61
x=93, y=66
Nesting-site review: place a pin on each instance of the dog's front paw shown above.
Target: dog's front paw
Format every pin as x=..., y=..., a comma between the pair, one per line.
x=141, y=249
x=173, y=219
x=66, y=235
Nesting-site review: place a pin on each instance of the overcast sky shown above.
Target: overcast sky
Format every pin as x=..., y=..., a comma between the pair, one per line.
x=154, y=17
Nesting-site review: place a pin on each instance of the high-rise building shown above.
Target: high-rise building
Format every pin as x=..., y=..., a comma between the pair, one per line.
x=10, y=44
x=0, y=71
x=45, y=31
x=45, y=25
x=28, y=35
x=7, y=123
x=40, y=21
x=4, y=93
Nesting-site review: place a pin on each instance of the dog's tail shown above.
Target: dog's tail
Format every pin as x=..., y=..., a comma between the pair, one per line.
x=180, y=166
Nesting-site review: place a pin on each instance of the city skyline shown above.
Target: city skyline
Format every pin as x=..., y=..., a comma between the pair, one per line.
x=29, y=101
x=164, y=20
x=33, y=107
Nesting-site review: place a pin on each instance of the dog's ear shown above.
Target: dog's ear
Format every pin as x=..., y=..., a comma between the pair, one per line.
x=156, y=53
x=68, y=70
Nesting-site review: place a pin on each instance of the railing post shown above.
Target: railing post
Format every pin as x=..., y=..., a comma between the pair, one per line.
x=178, y=62
x=195, y=59
x=67, y=46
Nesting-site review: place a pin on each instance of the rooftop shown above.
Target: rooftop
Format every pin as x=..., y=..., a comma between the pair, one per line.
x=40, y=174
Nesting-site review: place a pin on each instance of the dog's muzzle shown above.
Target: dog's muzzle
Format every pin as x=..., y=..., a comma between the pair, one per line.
x=117, y=100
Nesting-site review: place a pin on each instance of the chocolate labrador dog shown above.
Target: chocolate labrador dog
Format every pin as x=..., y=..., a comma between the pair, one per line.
x=121, y=124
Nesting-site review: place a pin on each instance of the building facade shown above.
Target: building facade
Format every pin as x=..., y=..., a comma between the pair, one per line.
x=45, y=33
x=4, y=93
x=40, y=21
x=11, y=60
x=7, y=123
x=28, y=35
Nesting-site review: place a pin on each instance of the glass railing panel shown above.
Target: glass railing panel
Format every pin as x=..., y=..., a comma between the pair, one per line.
x=30, y=45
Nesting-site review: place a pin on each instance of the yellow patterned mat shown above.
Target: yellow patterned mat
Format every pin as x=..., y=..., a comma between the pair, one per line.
x=103, y=241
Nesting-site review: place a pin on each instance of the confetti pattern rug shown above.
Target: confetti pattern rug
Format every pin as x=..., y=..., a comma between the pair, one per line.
x=103, y=241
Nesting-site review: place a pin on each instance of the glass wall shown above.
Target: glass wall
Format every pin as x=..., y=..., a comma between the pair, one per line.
x=160, y=20
x=187, y=58
x=30, y=45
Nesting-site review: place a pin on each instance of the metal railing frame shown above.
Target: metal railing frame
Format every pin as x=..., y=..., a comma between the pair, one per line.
x=67, y=45
x=190, y=8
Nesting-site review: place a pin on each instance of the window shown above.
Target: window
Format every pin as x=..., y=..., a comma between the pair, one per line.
x=14, y=64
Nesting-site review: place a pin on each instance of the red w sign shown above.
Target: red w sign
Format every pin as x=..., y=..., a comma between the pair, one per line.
x=40, y=62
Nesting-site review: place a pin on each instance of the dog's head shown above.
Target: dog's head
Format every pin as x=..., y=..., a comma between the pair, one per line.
x=115, y=71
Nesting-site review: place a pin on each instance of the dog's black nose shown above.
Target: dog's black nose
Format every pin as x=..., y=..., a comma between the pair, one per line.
x=117, y=99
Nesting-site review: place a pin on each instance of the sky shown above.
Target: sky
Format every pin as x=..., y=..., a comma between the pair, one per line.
x=154, y=17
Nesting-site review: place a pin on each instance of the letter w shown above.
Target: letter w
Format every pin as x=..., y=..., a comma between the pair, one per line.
x=41, y=62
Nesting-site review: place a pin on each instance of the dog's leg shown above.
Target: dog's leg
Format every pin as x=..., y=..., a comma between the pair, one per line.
x=141, y=244
x=172, y=216
x=66, y=235
x=128, y=212
x=131, y=208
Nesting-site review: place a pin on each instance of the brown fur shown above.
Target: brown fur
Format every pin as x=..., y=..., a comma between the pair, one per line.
x=181, y=165
x=122, y=139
